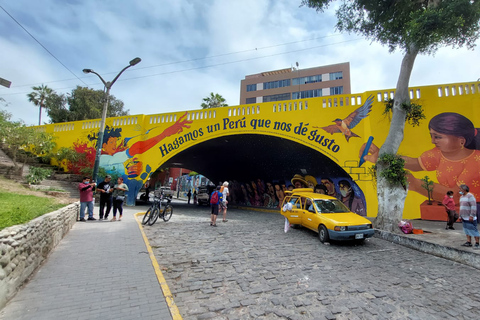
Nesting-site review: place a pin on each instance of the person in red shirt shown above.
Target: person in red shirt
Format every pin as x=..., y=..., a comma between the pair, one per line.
x=86, y=198
x=449, y=205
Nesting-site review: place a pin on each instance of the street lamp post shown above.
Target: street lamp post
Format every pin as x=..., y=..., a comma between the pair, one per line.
x=108, y=85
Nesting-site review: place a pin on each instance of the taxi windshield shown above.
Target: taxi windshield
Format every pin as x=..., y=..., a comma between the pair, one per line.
x=330, y=206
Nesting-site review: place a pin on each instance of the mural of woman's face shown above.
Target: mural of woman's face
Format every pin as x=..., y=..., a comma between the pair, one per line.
x=298, y=184
x=110, y=147
x=345, y=190
x=446, y=143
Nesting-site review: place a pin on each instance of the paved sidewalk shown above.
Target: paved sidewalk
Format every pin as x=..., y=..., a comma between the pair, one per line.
x=437, y=241
x=100, y=270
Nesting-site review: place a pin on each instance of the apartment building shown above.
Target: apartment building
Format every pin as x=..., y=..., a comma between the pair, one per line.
x=295, y=83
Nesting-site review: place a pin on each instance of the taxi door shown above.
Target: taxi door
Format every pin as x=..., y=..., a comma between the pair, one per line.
x=308, y=214
x=295, y=215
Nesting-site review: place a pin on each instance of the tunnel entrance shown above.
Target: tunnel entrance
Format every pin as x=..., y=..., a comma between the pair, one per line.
x=261, y=167
x=252, y=156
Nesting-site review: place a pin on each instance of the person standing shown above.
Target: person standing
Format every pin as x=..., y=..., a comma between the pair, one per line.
x=86, y=198
x=194, y=196
x=119, y=191
x=223, y=204
x=105, y=189
x=449, y=205
x=215, y=199
x=189, y=195
x=468, y=213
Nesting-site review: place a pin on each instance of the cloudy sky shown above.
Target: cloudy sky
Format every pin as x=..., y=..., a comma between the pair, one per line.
x=188, y=48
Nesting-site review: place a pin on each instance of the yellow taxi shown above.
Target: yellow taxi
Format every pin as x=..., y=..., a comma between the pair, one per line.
x=326, y=215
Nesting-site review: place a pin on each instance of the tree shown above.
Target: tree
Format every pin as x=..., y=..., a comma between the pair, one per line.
x=82, y=104
x=414, y=27
x=38, y=97
x=213, y=101
x=22, y=140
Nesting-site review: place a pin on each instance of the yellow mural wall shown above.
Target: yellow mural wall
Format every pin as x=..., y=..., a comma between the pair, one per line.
x=336, y=126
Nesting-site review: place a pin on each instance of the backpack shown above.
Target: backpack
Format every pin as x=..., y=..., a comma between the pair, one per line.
x=214, y=198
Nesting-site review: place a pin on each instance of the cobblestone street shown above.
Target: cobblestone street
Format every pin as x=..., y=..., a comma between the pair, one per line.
x=249, y=268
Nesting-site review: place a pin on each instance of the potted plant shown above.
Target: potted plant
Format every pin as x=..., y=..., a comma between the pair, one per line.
x=428, y=185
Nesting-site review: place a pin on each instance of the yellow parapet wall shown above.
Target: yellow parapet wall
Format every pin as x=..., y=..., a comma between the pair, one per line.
x=335, y=126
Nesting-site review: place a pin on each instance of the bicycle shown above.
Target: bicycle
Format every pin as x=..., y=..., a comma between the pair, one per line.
x=155, y=211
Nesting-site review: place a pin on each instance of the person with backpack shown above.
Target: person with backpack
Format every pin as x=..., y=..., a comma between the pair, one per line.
x=215, y=199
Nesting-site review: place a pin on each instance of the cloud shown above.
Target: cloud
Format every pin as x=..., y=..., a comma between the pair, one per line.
x=189, y=49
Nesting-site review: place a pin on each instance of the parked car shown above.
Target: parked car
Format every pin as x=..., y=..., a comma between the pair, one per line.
x=167, y=192
x=203, y=196
x=326, y=215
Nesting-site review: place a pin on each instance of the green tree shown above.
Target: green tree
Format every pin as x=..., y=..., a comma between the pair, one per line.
x=57, y=108
x=82, y=104
x=22, y=142
x=213, y=101
x=414, y=27
x=38, y=97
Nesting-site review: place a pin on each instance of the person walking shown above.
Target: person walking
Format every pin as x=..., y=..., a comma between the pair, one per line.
x=468, y=213
x=449, y=205
x=223, y=205
x=105, y=189
x=189, y=195
x=86, y=198
x=215, y=199
x=118, y=198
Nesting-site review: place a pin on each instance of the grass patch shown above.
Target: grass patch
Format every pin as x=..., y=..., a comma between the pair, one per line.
x=19, y=209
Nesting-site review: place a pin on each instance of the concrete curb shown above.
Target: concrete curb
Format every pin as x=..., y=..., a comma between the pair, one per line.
x=175, y=313
x=460, y=256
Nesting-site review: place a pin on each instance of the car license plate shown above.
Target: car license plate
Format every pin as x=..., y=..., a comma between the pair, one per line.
x=359, y=236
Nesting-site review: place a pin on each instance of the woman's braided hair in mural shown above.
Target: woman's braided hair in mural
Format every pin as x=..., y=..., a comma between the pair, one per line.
x=109, y=132
x=455, y=124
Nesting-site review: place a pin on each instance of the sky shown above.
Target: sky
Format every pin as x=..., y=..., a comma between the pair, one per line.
x=189, y=48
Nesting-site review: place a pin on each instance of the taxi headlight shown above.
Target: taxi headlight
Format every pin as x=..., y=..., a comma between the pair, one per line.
x=340, y=228
x=369, y=226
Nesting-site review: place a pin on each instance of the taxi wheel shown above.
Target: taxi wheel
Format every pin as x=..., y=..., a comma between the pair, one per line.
x=323, y=234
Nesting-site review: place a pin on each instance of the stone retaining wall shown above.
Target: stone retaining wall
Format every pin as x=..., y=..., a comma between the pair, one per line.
x=24, y=247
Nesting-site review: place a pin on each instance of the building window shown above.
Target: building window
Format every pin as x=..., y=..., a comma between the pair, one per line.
x=277, y=97
x=336, y=75
x=307, y=94
x=304, y=80
x=336, y=90
x=251, y=100
x=276, y=84
x=251, y=87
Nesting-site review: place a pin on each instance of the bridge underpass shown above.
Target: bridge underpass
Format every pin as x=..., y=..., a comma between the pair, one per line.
x=273, y=141
x=251, y=156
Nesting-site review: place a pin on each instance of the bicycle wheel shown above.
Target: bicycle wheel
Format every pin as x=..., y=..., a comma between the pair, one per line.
x=147, y=216
x=167, y=213
x=154, y=217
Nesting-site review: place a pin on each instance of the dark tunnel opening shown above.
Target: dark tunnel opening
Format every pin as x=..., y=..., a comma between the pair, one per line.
x=252, y=156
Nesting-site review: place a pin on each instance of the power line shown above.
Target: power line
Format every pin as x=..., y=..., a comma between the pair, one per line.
x=210, y=66
x=41, y=44
x=194, y=59
x=243, y=60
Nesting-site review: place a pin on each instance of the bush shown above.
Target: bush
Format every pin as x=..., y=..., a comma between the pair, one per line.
x=37, y=175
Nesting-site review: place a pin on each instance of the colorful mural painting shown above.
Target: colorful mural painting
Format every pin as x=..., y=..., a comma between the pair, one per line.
x=270, y=194
x=344, y=129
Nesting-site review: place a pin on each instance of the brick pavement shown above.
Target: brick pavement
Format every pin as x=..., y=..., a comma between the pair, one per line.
x=100, y=270
x=248, y=268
